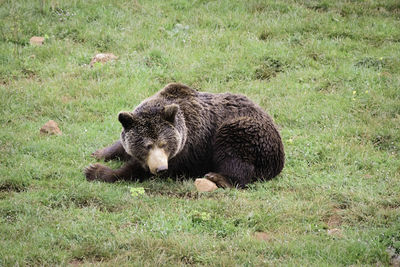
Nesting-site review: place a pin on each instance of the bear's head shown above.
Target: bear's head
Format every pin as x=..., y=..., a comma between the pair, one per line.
x=153, y=136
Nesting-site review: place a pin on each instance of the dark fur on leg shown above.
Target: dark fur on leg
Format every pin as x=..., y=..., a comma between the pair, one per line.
x=115, y=151
x=218, y=179
x=238, y=172
x=243, y=155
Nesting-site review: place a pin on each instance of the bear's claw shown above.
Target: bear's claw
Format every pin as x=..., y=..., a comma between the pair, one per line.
x=99, y=172
x=96, y=172
x=90, y=172
x=98, y=154
x=218, y=179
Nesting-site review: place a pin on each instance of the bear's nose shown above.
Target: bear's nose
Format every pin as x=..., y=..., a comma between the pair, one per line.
x=161, y=169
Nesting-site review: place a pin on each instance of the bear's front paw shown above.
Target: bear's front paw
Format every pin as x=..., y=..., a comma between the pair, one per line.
x=99, y=172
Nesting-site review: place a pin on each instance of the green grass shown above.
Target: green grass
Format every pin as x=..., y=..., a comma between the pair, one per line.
x=327, y=71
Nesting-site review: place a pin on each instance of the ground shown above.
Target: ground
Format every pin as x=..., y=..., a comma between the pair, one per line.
x=328, y=72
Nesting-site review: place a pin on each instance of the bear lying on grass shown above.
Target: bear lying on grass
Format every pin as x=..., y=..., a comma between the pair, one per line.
x=180, y=131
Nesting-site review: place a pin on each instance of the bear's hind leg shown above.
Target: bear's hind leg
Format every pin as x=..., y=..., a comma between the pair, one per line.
x=218, y=179
x=234, y=170
x=235, y=150
x=115, y=151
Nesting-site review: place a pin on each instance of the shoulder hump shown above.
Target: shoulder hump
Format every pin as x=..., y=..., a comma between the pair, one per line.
x=177, y=90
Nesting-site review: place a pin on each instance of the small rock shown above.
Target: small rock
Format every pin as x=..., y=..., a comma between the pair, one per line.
x=205, y=185
x=50, y=127
x=262, y=236
x=335, y=232
x=36, y=40
x=102, y=58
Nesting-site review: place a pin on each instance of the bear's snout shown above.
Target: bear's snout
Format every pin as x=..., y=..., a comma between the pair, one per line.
x=161, y=169
x=157, y=160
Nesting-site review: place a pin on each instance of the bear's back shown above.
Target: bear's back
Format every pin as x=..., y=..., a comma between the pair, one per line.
x=177, y=90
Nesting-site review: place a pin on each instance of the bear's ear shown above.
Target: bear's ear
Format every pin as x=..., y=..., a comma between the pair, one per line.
x=126, y=119
x=169, y=112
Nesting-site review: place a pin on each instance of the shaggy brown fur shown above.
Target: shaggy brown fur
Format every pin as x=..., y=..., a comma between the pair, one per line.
x=224, y=137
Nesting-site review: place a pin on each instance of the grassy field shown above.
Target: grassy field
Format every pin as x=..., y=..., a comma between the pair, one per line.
x=327, y=71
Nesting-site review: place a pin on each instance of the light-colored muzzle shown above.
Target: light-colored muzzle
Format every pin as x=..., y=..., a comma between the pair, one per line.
x=157, y=160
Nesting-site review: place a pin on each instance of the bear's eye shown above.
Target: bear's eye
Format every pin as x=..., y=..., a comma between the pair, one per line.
x=149, y=146
x=162, y=145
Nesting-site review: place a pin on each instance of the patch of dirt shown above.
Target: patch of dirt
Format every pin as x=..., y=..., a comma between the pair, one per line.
x=76, y=262
x=263, y=236
x=67, y=99
x=390, y=203
x=265, y=35
x=319, y=7
x=13, y=186
x=335, y=232
x=36, y=40
x=384, y=142
x=102, y=58
x=342, y=201
x=268, y=69
x=28, y=73
x=335, y=220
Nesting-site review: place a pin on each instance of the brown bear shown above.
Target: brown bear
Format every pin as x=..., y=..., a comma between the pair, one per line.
x=182, y=132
